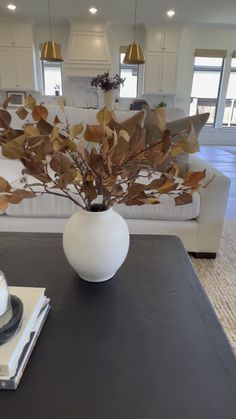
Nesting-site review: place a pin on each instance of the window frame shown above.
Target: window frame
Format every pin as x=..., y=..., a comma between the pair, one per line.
x=206, y=68
x=128, y=66
x=230, y=70
x=50, y=64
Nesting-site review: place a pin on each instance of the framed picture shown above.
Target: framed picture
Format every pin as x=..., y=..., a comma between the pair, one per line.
x=17, y=98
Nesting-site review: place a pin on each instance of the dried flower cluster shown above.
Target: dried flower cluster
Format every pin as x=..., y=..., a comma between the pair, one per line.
x=118, y=168
x=106, y=83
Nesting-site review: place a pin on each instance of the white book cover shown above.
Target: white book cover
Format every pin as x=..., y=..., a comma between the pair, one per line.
x=33, y=300
x=11, y=382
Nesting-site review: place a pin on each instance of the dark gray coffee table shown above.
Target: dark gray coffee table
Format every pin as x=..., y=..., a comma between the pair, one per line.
x=145, y=345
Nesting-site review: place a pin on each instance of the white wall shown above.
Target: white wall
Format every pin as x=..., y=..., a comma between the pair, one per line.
x=200, y=36
x=210, y=37
x=77, y=90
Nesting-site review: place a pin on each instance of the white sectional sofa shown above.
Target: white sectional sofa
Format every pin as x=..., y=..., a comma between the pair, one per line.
x=199, y=225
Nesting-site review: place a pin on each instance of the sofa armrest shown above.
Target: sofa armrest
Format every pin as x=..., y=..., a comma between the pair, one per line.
x=212, y=206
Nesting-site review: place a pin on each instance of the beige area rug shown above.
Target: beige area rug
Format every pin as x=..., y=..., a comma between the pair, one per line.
x=218, y=278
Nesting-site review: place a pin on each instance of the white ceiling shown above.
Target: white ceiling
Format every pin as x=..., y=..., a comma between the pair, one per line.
x=149, y=12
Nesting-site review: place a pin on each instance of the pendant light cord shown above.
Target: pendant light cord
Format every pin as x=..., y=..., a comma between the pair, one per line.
x=135, y=13
x=49, y=20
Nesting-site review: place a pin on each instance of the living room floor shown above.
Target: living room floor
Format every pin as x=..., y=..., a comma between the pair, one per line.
x=225, y=161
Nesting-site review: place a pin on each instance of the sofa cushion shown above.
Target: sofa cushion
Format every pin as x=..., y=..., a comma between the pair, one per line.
x=166, y=210
x=57, y=207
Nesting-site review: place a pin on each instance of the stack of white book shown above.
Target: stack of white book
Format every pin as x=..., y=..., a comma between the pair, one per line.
x=15, y=353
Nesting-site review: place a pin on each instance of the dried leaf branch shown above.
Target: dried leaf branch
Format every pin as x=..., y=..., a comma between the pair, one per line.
x=114, y=168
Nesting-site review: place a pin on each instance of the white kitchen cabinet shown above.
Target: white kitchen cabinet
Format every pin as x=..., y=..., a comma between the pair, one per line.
x=7, y=68
x=169, y=72
x=25, y=68
x=160, y=73
x=162, y=46
x=16, y=35
x=153, y=73
x=163, y=40
x=17, y=68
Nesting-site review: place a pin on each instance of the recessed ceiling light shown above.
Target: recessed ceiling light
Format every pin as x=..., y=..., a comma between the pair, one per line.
x=93, y=10
x=11, y=7
x=170, y=13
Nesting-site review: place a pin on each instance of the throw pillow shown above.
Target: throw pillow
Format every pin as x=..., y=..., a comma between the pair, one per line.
x=177, y=128
x=129, y=124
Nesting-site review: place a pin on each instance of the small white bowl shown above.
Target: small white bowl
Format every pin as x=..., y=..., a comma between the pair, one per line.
x=4, y=294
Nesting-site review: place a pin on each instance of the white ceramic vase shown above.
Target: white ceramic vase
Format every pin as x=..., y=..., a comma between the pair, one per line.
x=96, y=243
x=109, y=99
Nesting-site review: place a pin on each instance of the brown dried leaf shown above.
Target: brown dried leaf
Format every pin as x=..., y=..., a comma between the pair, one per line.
x=168, y=186
x=14, y=149
x=136, y=188
x=4, y=201
x=124, y=134
x=71, y=145
x=90, y=191
x=5, y=119
x=60, y=163
x=184, y=198
x=44, y=127
x=105, y=146
x=156, y=184
x=56, y=120
x=137, y=140
x=94, y=133
x=75, y=130
x=54, y=134
x=10, y=134
x=176, y=150
x=130, y=202
x=61, y=104
x=151, y=201
x=31, y=131
x=22, y=112
x=114, y=125
x=96, y=161
x=117, y=190
x=67, y=178
x=192, y=179
x=30, y=102
x=8, y=100
x=160, y=116
x=110, y=182
x=36, y=169
x=20, y=194
x=166, y=142
x=39, y=113
x=120, y=152
x=190, y=143
x=104, y=116
x=4, y=185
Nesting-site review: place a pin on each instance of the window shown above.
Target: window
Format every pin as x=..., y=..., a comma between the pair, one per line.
x=130, y=73
x=52, y=79
x=230, y=104
x=206, y=83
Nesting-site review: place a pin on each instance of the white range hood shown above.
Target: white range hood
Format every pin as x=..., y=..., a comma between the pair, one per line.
x=88, y=52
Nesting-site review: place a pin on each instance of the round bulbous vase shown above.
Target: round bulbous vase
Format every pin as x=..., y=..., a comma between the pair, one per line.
x=96, y=243
x=109, y=99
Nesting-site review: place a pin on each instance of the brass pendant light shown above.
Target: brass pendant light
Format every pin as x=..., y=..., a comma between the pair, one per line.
x=134, y=53
x=51, y=50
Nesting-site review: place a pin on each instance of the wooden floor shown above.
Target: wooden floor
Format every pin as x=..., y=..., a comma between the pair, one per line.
x=225, y=161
